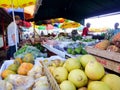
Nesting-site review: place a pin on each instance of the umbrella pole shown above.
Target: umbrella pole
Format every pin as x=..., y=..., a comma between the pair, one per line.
x=13, y=14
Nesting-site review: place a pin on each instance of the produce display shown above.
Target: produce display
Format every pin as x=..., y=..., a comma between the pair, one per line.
x=103, y=44
x=75, y=48
x=72, y=48
x=87, y=40
x=75, y=38
x=24, y=76
x=37, y=51
x=110, y=45
x=82, y=73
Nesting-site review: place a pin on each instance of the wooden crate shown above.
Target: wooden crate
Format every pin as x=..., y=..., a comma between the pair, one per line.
x=110, y=60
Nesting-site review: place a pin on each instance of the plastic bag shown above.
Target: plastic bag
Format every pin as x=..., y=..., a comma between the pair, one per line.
x=21, y=82
x=41, y=84
x=4, y=85
x=36, y=71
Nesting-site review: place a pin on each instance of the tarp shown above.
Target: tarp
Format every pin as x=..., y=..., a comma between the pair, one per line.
x=25, y=13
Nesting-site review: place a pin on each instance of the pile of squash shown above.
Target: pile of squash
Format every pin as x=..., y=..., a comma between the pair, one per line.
x=113, y=45
x=20, y=66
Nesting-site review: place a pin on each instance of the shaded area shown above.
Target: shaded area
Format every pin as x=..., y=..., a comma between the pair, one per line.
x=3, y=56
x=75, y=10
x=4, y=17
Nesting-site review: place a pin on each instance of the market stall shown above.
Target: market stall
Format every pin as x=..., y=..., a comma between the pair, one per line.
x=63, y=60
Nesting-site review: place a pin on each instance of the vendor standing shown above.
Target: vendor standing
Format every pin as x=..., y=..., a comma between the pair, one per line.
x=110, y=33
x=12, y=39
x=86, y=30
x=116, y=29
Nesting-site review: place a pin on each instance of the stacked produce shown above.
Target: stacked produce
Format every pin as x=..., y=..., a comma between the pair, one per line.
x=24, y=75
x=113, y=45
x=37, y=50
x=75, y=48
x=83, y=73
x=87, y=40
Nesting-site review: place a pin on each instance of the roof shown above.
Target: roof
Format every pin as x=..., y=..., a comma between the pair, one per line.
x=75, y=9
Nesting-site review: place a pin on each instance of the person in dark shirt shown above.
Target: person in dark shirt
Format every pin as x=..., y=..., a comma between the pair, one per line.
x=86, y=30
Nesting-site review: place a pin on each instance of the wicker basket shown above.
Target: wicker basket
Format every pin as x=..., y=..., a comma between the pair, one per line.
x=51, y=79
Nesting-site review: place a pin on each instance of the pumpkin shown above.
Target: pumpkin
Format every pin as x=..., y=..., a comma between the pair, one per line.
x=18, y=61
x=25, y=68
x=6, y=73
x=103, y=44
x=116, y=37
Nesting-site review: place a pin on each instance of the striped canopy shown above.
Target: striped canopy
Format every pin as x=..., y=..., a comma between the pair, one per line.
x=16, y=3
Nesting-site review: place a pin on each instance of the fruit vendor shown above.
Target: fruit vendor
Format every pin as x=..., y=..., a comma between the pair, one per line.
x=116, y=29
x=11, y=37
x=86, y=30
x=110, y=33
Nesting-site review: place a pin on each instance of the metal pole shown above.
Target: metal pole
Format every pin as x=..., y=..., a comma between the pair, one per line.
x=13, y=14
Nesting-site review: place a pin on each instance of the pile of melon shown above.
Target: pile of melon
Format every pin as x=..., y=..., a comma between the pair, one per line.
x=84, y=73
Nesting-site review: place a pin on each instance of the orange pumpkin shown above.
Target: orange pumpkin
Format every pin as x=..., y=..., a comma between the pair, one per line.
x=24, y=68
x=102, y=45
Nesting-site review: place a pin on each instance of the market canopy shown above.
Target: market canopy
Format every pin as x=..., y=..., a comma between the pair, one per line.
x=16, y=3
x=25, y=13
x=75, y=9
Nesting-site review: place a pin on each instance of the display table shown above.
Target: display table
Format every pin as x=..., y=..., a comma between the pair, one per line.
x=58, y=52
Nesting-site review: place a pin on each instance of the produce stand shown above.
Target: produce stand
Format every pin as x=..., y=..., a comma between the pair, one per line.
x=53, y=84
x=110, y=60
x=55, y=51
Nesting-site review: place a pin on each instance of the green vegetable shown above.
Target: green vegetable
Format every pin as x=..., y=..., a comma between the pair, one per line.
x=78, y=50
x=83, y=52
x=69, y=50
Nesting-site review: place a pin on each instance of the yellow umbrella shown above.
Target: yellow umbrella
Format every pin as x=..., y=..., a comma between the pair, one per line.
x=16, y=4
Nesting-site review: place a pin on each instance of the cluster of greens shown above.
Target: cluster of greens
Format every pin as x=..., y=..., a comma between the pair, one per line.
x=76, y=49
x=30, y=49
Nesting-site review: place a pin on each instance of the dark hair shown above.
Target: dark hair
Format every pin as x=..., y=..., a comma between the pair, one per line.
x=17, y=17
x=74, y=32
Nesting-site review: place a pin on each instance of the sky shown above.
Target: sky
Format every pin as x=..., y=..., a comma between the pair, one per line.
x=103, y=21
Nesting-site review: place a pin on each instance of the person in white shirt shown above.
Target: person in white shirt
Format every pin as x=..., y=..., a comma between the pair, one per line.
x=12, y=37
